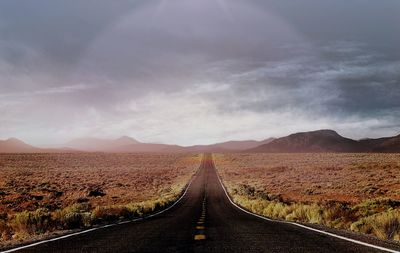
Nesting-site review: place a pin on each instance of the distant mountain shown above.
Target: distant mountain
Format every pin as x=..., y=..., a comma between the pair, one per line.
x=14, y=145
x=126, y=140
x=315, y=141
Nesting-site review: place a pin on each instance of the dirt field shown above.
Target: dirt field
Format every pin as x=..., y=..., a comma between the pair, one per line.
x=359, y=192
x=316, y=177
x=44, y=185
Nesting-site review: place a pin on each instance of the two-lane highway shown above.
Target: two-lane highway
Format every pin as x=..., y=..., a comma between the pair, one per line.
x=204, y=220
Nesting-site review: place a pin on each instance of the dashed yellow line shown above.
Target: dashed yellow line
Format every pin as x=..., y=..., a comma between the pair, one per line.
x=200, y=224
x=199, y=237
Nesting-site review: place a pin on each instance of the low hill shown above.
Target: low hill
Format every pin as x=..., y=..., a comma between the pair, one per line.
x=149, y=147
x=314, y=141
x=386, y=144
x=127, y=144
x=123, y=144
x=229, y=146
x=242, y=145
x=97, y=144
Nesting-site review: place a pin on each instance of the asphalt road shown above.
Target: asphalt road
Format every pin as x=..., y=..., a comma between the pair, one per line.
x=203, y=221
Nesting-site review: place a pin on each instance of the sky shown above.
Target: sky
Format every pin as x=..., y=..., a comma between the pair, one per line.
x=198, y=71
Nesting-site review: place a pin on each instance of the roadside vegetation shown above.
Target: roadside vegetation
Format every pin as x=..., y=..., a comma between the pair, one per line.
x=45, y=193
x=344, y=204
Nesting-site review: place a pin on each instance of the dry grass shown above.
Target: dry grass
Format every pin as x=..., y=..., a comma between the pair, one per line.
x=359, y=192
x=43, y=193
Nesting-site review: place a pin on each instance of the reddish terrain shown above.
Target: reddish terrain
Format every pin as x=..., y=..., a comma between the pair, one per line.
x=30, y=181
x=316, y=177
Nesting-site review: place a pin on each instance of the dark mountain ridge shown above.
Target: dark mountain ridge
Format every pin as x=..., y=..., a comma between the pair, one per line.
x=327, y=140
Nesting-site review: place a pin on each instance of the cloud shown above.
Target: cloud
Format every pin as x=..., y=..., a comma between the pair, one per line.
x=195, y=72
x=48, y=91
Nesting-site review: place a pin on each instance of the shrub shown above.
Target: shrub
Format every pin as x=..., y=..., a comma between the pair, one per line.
x=374, y=206
x=75, y=216
x=276, y=210
x=110, y=213
x=35, y=222
x=384, y=225
x=5, y=231
x=135, y=210
x=361, y=226
x=72, y=220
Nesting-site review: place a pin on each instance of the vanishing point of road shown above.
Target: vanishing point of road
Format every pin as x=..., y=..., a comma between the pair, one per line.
x=204, y=220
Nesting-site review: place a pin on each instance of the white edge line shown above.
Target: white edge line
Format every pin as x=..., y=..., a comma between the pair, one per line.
x=106, y=226
x=303, y=226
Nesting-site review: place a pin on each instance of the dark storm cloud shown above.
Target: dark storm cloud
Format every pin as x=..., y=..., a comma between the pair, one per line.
x=355, y=81
x=371, y=22
x=225, y=69
x=45, y=39
x=59, y=29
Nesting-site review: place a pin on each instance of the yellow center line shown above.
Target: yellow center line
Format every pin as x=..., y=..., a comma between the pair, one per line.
x=199, y=237
x=200, y=223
